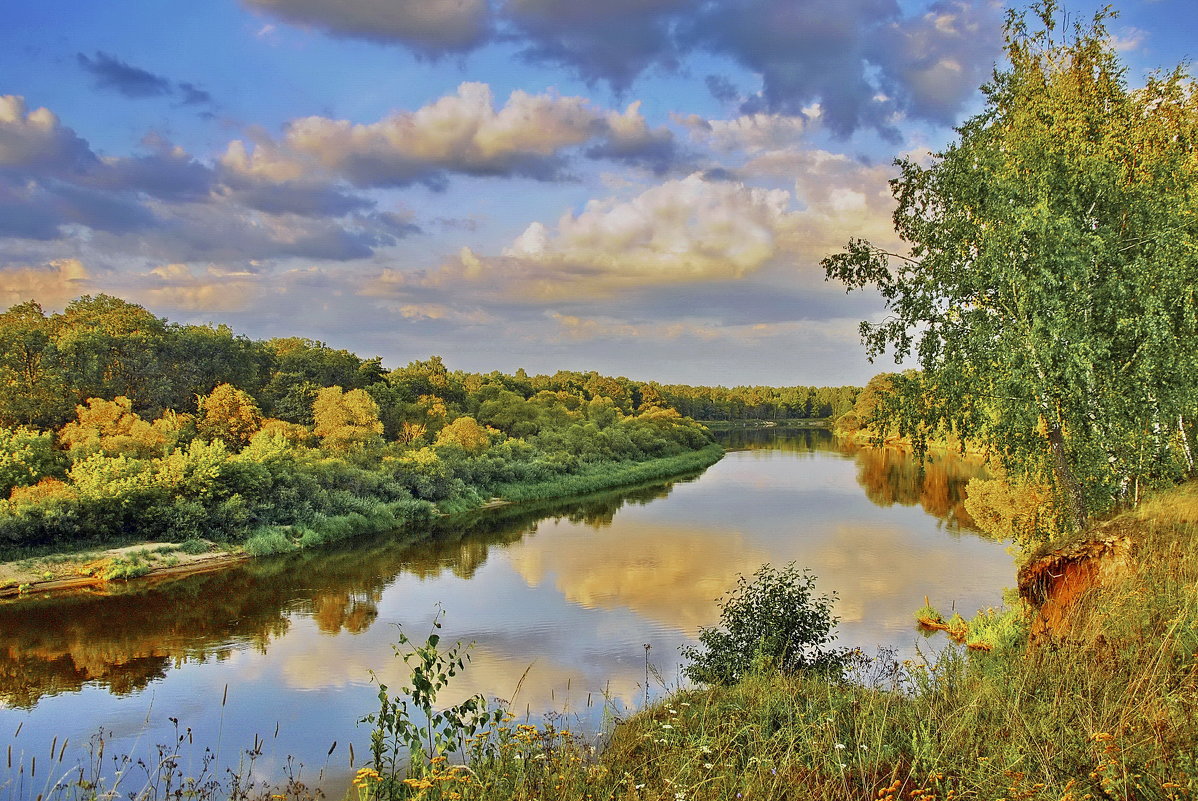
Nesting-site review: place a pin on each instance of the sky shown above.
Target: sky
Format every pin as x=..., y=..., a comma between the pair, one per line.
x=639, y=187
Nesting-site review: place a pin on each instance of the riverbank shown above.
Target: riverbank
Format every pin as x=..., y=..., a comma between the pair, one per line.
x=1103, y=709
x=1096, y=700
x=107, y=569
x=728, y=425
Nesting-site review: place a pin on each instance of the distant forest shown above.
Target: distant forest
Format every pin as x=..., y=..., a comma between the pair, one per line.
x=115, y=423
x=105, y=347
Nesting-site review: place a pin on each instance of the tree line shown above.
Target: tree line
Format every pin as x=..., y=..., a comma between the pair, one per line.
x=117, y=423
x=760, y=403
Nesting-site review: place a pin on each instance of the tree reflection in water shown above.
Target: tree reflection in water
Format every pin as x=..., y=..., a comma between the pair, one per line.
x=132, y=635
x=888, y=475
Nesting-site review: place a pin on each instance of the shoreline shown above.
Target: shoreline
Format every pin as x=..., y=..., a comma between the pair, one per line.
x=84, y=570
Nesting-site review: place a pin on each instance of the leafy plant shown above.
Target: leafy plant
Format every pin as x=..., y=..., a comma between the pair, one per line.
x=1044, y=253
x=409, y=722
x=771, y=622
x=125, y=568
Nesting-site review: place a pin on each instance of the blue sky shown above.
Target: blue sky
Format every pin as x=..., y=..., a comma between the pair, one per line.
x=641, y=187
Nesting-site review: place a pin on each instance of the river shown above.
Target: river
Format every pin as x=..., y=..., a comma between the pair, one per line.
x=566, y=596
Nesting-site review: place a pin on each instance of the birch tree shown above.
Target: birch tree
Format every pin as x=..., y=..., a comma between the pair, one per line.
x=1048, y=289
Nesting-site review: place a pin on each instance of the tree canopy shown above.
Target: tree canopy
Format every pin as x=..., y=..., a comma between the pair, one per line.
x=1048, y=290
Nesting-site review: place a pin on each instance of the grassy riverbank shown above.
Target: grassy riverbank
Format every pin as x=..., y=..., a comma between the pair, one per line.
x=46, y=569
x=1103, y=703
x=1088, y=689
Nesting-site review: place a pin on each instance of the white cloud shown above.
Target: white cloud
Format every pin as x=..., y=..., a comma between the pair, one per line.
x=462, y=133
x=35, y=139
x=683, y=229
x=183, y=287
x=751, y=133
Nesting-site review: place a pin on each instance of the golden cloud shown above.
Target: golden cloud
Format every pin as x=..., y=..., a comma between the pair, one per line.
x=52, y=285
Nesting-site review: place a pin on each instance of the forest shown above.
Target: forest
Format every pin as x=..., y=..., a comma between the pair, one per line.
x=117, y=424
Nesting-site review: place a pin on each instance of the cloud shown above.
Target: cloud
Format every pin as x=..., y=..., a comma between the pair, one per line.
x=752, y=133
x=429, y=27
x=222, y=231
x=166, y=205
x=575, y=327
x=167, y=173
x=35, y=140
x=840, y=197
x=864, y=61
x=680, y=233
x=934, y=63
x=179, y=286
x=262, y=183
x=192, y=95
x=684, y=229
x=109, y=72
x=461, y=133
x=613, y=41
x=722, y=89
x=804, y=50
x=628, y=138
x=25, y=212
x=51, y=284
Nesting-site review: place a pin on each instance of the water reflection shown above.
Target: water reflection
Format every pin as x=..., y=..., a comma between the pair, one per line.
x=132, y=635
x=563, y=594
x=888, y=475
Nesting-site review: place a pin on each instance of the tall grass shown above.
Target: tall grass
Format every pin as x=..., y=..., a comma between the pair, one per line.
x=606, y=475
x=1103, y=708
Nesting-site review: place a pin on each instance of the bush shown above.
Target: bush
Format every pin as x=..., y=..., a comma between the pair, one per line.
x=771, y=623
x=267, y=541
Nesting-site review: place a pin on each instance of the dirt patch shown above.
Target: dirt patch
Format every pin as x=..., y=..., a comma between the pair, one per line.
x=1053, y=583
x=110, y=569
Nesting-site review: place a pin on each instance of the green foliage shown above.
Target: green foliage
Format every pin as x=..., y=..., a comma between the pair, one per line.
x=346, y=420
x=410, y=732
x=124, y=568
x=465, y=433
x=269, y=541
x=451, y=439
x=927, y=612
x=772, y=622
x=33, y=389
x=752, y=403
x=26, y=456
x=1104, y=710
x=112, y=428
x=1048, y=292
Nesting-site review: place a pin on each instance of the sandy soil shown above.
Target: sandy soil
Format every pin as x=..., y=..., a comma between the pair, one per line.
x=87, y=570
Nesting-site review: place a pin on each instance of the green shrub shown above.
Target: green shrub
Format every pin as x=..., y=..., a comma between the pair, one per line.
x=771, y=623
x=267, y=541
x=125, y=568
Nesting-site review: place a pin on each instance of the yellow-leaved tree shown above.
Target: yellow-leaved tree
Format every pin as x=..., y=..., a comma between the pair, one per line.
x=346, y=420
x=466, y=433
x=111, y=427
x=230, y=415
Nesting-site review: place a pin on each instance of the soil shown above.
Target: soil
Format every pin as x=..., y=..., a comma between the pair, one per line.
x=1053, y=583
x=86, y=570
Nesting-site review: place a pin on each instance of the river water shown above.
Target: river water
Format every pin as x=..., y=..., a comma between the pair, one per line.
x=566, y=596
